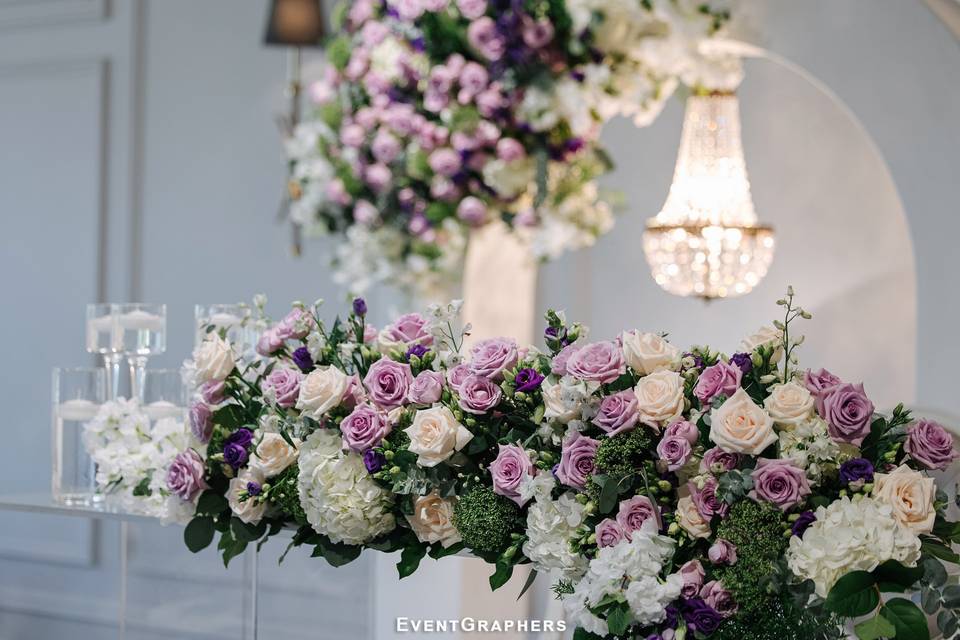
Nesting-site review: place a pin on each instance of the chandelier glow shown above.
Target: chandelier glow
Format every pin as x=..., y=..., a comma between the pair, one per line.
x=706, y=241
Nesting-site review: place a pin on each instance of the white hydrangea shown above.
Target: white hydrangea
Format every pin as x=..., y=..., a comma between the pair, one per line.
x=338, y=495
x=810, y=447
x=551, y=524
x=630, y=568
x=850, y=535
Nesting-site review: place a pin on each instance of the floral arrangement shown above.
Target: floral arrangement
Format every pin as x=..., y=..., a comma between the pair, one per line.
x=671, y=493
x=435, y=116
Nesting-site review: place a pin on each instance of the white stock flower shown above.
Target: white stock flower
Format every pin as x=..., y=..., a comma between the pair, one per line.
x=432, y=520
x=214, y=359
x=740, y=426
x=321, y=390
x=338, y=495
x=809, y=445
x=551, y=524
x=647, y=352
x=564, y=399
x=435, y=435
x=273, y=455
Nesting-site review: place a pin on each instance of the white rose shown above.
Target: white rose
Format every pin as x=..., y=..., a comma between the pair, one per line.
x=273, y=455
x=559, y=402
x=659, y=397
x=509, y=179
x=689, y=518
x=214, y=359
x=740, y=426
x=910, y=495
x=765, y=336
x=435, y=435
x=789, y=404
x=647, y=352
x=250, y=510
x=321, y=390
x=432, y=520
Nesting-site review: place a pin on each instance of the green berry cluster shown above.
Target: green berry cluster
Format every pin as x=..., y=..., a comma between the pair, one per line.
x=486, y=520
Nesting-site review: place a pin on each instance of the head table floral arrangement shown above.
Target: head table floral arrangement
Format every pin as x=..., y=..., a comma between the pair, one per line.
x=673, y=493
x=433, y=117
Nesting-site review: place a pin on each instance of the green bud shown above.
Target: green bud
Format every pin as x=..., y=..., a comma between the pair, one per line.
x=582, y=498
x=521, y=396
x=756, y=359
x=470, y=422
x=388, y=455
x=509, y=376
x=673, y=529
x=589, y=508
x=664, y=485
x=592, y=538
x=394, y=470
x=868, y=487
x=547, y=457
x=510, y=552
x=415, y=362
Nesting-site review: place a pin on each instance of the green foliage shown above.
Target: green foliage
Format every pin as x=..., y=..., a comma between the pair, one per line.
x=485, y=520
x=854, y=594
x=780, y=620
x=338, y=51
x=907, y=618
x=198, y=534
x=286, y=496
x=621, y=455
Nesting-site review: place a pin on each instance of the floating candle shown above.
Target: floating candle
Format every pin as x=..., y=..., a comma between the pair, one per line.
x=141, y=321
x=224, y=320
x=163, y=409
x=78, y=409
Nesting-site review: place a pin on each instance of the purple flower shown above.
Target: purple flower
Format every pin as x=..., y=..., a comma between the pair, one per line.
x=577, y=460
x=388, y=382
x=301, y=358
x=684, y=429
x=364, y=429
x=417, y=350
x=597, y=362
x=185, y=475
x=472, y=211
x=426, y=388
x=707, y=501
x=478, y=394
x=373, y=460
x=617, y=412
x=856, y=470
x=527, y=380
x=235, y=455
x=254, y=488
x=692, y=574
x=700, y=616
x=634, y=512
x=930, y=445
x=457, y=375
x=806, y=519
x=743, y=361
x=559, y=364
x=201, y=422
x=283, y=384
x=716, y=460
x=509, y=469
x=472, y=9
x=483, y=37
x=674, y=451
x=722, y=552
x=491, y=357
x=241, y=436
x=445, y=162
x=296, y=325
x=213, y=391
x=780, y=482
x=722, y=378
x=817, y=382
x=718, y=598
x=359, y=307
x=609, y=533
x=848, y=412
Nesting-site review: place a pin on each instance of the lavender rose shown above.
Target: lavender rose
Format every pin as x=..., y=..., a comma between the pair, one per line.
x=674, y=452
x=511, y=466
x=185, y=475
x=457, y=375
x=283, y=385
x=817, y=382
x=491, y=357
x=269, y=342
x=617, y=412
x=426, y=388
x=213, y=391
x=716, y=460
x=478, y=394
x=609, y=533
x=559, y=365
x=780, y=482
x=296, y=325
x=597, y=362
x=364, y=429
x=722, y=552
x=706, y=500
x=930, y=444
x=201, y=422
x=406, y=331
x=684, y=429
x=722, y=378
x=577, y=460
x=388, y=383
x=634, y=512
x=847, y=411
x=718, y=598
x=691, y=573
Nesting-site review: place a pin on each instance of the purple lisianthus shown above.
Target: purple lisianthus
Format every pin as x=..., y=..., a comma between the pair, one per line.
x=800, y=525
x=817, y=382
x=718, y=598
x=509, y=469
x=700, y=616
x=491, y=357
x=930, y=445
x=722, y=552
x=559, y=364
x=213, y=391
x=426, y=388
x=716, y=460
x=856, y=470
x=283, y=384
x=743, y=362
x=597, y=362
x=478, y=394
x=634, y=512
x=388, y=382
x=303, y=360
x=674, y=452
x=691, y=575
x=201, y=422
x=364, y=429
x=848, y=412
x=527, y=380
x=722, y=378
x=417, y=350
x=684, y=429
x=577, y=460
x=707, y=501
x=185, y=475
x=617, y=412
x=254, y=488
x=780, y=482
x=235, y=447
x=241, y=436
x=609, y=533
x=359, y=307
x=373, y=460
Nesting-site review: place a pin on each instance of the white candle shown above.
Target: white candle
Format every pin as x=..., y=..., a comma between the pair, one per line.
x=224, y=320
x=141, y=320
x=78, y=409
x=163, y=409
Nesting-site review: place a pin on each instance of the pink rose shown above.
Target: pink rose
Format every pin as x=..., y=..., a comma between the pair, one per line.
x=296, y=325
x=930, y=444
x=473, y=79
x=692, y=574
x=406, y=331
x=509, y=149
x=848, y=412
x=269, y=342
x=491, y=357
x=213, y=392
x=722, y=552
x=674, y=451
x=472, y=9
x=478, y=394
x=609, y=533
x=388, y=382
x=365, y=213
x=684, y=429
x=780, y=482
x=378, y=176
x=537, y=33
x=283, y=384
x=719, y=599
x=472, y=211
x=577, y=460
x=597, y=362
x=716, y=460
x=511, y=466
x=819, y=381
x=201, y=422
x=354, y=394
x=707, y=501
x=483, y=36
x=457, y=375
x=185, y=475
x=385, y=147
x=722, y=378
x=635, y=511
x=427, y=388
x=617, y=412
x=559, y=364
x=364, y=429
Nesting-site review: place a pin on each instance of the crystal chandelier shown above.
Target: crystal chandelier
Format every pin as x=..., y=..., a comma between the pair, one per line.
x=706, y=242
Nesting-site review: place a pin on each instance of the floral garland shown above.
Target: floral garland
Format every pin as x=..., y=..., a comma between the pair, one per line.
x=435, y=116
x=675, y=493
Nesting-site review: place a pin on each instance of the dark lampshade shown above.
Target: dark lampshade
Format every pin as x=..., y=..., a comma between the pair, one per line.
x=294, y=23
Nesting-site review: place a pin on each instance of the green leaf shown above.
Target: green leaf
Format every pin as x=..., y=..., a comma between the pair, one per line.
x=582, y=634
x=211, y=503
x=875, y=628
x=198, y=534
x=909, y=621
x=855, y=594
x=947, y=623
x=501, y=575
x=951, y=597
x=939, y=550
x=609, y=491
x=233, y=550
x=618, y=618
x=929, y=600
x=438, y=551
x=410, y=559
x=247, y=532
x=336, y=554
x=893, y=576
x=531, y=577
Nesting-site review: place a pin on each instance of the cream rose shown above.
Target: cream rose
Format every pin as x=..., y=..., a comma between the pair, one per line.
x=250, y=510
x=689, y=518
x=765, y=336
x=659, y=397
x=562, y=399
x=432, y=520
x=647, y=352
x=213, y=358
x=322, y=390
x=910, y=494
x=740, y=426
x=273, y=455
x=789, y=404
x=435, y=435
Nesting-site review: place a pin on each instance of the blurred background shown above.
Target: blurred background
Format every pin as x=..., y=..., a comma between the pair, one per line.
x=140, y=160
